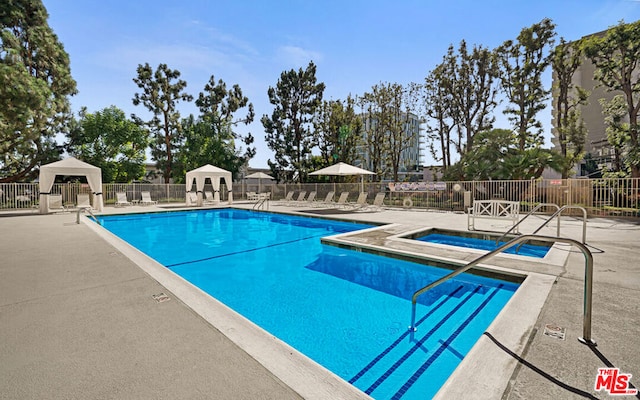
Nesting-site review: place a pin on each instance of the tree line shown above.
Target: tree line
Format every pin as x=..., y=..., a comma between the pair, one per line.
x=456, y=102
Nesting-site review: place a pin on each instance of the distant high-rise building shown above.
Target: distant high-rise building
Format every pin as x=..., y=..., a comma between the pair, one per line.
x=411, y=156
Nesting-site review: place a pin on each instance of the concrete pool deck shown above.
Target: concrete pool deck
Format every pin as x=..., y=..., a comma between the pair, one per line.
x=78, y=318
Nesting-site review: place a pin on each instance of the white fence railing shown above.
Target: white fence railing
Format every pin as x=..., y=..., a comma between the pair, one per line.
x=600, y=197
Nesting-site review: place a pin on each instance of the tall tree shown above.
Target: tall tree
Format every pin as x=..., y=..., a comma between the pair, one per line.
x=438, y=109
x=617, y=131
x=211, y=138
x=387, y=113
x=403, y=134
x=35, y=82
x=107, y=139
x=339, y=131
x=289, y=133
x=570, y=128
x=161, y=92
x=374, y=131
x=471, y=83
x=616, y=56
x=522, y=64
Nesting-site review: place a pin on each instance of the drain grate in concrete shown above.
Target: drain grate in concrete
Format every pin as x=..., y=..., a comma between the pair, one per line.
x=161, y=297
x=554, y=331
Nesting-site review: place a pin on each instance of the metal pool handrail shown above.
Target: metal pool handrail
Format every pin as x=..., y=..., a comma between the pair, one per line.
x=81, y=209
x=588, y=280
x=536, y=208
x=557, y=213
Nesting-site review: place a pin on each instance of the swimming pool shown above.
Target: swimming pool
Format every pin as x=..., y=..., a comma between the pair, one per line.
x=481, y=241
x=347, y=310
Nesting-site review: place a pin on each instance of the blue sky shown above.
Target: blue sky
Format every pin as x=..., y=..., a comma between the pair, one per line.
x=355, y=44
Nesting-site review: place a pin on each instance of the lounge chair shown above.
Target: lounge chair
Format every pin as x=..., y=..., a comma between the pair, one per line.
x=360, y=203
x=208, y=198
x=193, y=198
x=287, y=199
x=83, y=201
x=146, y=199
x=121, y=199
x=300, y=198
x=310, y=199
x=342, y=200
x=328, y=200
x=378, y=201
x=252, y=196
x=55, y=203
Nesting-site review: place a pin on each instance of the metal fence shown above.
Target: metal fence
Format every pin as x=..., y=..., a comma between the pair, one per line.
x=600, y=197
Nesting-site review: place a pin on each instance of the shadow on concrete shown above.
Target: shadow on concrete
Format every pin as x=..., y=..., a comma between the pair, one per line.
x=609, y=364
x=539, y=371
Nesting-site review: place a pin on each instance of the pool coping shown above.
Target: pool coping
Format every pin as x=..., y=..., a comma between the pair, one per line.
x=513, y=325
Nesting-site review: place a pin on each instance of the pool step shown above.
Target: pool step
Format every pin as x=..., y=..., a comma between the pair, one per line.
x=411, y=355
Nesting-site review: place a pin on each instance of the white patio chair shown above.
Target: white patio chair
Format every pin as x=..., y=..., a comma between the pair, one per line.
x=208, y=198
x=299, y=199
x=342, y=200
x=121, y=199
x=378, y=201
x=146, y=199
x=328, y=200
x=286, y=200
x=83, y=201
x=310, y=199
x=55, y=203
x=360, y=202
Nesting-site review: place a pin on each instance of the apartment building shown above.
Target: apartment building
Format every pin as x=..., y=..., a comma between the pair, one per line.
x=411, y=158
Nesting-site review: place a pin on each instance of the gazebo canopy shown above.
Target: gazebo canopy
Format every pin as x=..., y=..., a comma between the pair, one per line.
x=72, y=167
x=213, y=173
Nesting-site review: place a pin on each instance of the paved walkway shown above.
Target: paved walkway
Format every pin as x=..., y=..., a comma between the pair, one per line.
x=78, y=320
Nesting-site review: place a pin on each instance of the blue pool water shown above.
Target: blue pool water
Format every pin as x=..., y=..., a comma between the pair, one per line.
x=526, y=249
x=347, y=310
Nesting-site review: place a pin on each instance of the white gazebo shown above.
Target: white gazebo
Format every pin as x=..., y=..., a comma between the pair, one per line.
x=213, y=173
x=72, y=167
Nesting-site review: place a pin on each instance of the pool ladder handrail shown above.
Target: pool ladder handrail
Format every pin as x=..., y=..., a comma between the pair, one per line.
x=263, y=202
x=87, y=209
x=559, y=212
x=588, y=280
x=557, y=215
x=536, y=208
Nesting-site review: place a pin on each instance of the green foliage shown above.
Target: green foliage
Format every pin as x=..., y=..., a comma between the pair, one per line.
x=210, y=139
x=522, y=64
x=339, y=131
x=616, y=56
x=35, y=82
x=387, y=112
x=571, y=132
x=289, y=133
x=437, y=106
x=618, y=134
x=496, y=156
x=110, y=141
x=470, y=80
x=161, y=91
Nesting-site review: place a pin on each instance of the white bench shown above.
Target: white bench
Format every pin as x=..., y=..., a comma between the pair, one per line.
x=493, y=209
